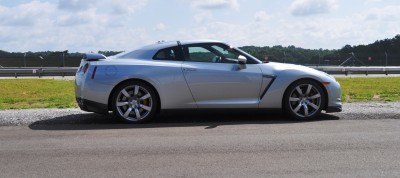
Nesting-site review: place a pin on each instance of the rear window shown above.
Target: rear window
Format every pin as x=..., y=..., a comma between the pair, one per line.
x=137, y=54
x=170, y=54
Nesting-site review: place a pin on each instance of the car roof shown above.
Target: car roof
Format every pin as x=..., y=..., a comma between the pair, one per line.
x=165, y=44
x=147, y=52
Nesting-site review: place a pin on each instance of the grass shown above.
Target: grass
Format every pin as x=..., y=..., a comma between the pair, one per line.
x=370, y=89
x=36, y=93
x=49, y=93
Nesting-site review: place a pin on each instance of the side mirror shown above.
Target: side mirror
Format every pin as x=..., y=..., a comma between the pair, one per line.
x=242, y=60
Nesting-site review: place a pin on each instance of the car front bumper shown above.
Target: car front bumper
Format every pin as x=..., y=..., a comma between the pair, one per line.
x=334, y=97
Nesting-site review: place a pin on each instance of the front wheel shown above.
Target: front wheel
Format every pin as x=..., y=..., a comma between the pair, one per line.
x=304, y=100
x=135, y=102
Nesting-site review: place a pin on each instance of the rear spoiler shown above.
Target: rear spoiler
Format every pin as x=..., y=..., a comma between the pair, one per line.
x=93, y=57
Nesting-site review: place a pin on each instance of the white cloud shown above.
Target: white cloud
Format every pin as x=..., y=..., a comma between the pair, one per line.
x=107, y=25
x=25, y=14
x=126, y=6
x=388, y=13
x=202, y=17
x=112, y=6
x=372, y=1
x=319, y=32
x=215, y=4
x=311, y=7
x=160, y=27
x=261, y=16
x=75, y=5
x=80, y=26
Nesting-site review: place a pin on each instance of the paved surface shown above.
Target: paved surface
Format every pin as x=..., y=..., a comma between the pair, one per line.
x=362, y=141
x=45, y=117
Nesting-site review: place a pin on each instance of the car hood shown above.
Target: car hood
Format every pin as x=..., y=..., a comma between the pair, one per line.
x=276, y=67
x=284, y=66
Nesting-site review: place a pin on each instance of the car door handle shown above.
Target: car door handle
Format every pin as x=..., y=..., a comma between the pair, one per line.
x=189, y=69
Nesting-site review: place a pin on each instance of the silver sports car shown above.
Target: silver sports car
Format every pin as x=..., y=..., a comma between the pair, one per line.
x=201, y=74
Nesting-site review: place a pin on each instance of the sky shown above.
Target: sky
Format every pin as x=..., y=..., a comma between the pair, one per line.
x=120, y=25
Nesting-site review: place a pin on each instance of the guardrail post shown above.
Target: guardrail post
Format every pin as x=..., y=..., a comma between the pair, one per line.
x=15, y=75
x=40, y=72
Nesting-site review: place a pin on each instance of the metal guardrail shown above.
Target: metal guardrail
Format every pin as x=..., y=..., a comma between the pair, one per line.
x=358, y=70
x=70, y=71
x=39, y=72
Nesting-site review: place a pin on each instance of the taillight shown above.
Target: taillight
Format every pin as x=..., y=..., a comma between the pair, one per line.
x=85, y=68
x=94, y=72
x=80, y=69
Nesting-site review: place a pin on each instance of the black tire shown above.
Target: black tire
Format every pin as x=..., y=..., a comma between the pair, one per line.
x=294, y=101
x=135, y=103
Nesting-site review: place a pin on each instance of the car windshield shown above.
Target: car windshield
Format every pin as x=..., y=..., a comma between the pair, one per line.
x=254, y=59
x=233, y=53
x=226, y=51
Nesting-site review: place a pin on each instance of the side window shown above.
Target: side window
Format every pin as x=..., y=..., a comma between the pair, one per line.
x=170, y=54
x=200, y=54
x=212, y=53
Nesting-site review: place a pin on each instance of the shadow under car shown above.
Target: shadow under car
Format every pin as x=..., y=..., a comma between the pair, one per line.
x=186, y=118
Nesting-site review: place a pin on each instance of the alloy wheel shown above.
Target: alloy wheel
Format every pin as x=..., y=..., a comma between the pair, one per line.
x=305, y=100
x=134, y=103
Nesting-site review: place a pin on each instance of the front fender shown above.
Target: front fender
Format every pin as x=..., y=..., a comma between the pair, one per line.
x=285, y=77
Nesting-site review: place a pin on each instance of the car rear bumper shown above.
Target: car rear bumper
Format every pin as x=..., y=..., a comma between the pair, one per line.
x=92, y=106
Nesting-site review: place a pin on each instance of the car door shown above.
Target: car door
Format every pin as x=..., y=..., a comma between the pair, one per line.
x=216, y=81
x=173, y=89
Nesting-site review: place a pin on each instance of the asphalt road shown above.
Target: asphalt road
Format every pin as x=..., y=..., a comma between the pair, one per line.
x=206, y=145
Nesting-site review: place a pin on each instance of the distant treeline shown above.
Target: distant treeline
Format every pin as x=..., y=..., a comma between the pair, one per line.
x=374, y=54
x=371, y=55
x=45, y=59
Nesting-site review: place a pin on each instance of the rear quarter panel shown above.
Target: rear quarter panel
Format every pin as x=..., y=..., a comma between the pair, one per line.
x=165, y=76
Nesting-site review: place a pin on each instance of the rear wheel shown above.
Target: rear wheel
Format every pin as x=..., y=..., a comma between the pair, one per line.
x=135, y=102
x=304, y=100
